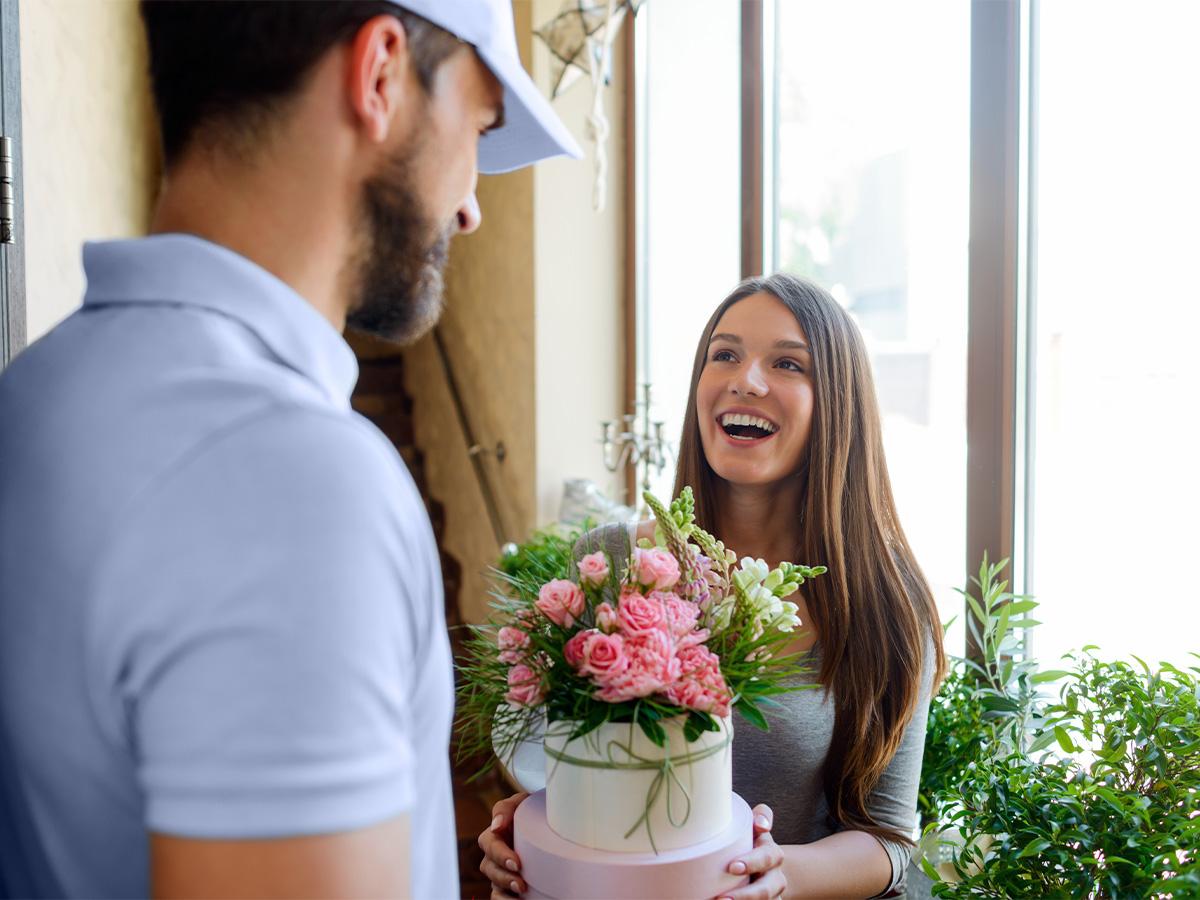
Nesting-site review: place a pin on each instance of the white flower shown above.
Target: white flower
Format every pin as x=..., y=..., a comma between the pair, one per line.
x=756, y=569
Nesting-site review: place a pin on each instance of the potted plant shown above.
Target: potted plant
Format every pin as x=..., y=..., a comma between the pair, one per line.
x=1104, y=802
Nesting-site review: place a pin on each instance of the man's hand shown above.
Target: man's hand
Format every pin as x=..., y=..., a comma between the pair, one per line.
x=368, y=862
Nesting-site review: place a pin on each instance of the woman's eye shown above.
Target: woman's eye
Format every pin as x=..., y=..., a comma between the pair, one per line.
x=791, y=365
x=722, y=356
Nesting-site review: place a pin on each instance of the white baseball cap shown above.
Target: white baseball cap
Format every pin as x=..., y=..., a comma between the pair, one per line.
x=531, y=131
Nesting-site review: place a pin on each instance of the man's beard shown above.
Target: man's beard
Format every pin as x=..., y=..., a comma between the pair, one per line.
x=397, y=269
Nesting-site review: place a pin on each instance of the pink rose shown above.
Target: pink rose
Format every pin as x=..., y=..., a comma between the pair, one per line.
x=681, y=615
x=512, y=643
x=691, y=694
x=524, y=687
x=630, y=684
x=604, y=656
x=573, y=649
x=593, y=569
x=692, y=638
x=700, y=685
x=561, y=601
x=606, y=618
x=638, y=614
x=652, y=666
x=656, y=569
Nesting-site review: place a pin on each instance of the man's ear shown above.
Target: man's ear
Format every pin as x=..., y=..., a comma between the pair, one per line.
x=378, y=74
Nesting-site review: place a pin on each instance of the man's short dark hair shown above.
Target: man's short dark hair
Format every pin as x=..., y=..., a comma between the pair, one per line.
x=231, y=65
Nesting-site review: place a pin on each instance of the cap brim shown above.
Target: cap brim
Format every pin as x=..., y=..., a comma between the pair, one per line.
x=532, y=131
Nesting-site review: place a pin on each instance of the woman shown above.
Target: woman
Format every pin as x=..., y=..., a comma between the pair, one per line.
x=782, y=445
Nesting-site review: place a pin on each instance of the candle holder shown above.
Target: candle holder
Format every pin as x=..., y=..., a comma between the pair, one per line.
x=639, y=443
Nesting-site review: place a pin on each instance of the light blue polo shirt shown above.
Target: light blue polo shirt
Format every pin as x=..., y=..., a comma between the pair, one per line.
x=220, y=599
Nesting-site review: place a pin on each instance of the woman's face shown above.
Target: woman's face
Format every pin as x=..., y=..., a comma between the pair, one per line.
x=754, y=400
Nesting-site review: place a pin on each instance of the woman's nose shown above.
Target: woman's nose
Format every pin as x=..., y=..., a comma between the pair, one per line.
x=750, y=381
x=469, y=215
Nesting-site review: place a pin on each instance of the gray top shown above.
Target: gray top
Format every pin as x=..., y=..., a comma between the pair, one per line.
x=783, y=767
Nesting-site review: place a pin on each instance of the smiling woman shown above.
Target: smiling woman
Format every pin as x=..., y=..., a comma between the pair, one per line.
x=782, y=448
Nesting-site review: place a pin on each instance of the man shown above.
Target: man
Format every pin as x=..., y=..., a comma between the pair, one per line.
x=223, y=668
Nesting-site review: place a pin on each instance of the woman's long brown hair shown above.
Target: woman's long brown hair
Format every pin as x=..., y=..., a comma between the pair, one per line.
x=873, y=611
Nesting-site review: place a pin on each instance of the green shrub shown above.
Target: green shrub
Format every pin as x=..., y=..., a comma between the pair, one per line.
x=984, y=703
x=1105, y=801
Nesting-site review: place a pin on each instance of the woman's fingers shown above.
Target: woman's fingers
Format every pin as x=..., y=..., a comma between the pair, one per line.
x=764, y=818
x=500, y=864
x=503, y=810
x=764, y=865
x=504, y=882
x=765, y=856
x=768, y=887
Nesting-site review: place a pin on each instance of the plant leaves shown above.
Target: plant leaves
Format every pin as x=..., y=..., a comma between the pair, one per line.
x=752, y=714
x=1064, y=740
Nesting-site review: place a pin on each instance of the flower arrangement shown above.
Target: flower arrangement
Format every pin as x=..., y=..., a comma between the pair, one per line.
x=682, y=629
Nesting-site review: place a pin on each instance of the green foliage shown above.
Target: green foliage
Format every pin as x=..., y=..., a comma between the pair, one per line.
x=544, y=557
x=983, y=703
x=955, y=737
x=1093, y=794
x=1104, y=803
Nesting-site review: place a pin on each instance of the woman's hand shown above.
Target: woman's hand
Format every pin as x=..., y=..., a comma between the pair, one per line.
x=500, y=864
x=764, y=863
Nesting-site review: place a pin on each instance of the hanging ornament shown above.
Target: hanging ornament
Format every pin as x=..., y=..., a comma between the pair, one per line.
x=580, y=39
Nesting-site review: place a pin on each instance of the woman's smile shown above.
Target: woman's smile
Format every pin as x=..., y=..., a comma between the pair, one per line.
x=747, y=427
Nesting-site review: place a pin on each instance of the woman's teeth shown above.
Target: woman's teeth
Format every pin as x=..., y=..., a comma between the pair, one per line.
x=746, y=428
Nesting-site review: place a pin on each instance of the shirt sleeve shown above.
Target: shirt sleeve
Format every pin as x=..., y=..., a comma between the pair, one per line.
x=893, y=802
x=261, y=616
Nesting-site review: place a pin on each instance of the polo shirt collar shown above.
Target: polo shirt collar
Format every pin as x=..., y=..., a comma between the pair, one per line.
x=186, y=270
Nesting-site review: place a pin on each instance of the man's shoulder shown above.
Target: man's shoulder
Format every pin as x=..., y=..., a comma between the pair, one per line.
x=295, y=453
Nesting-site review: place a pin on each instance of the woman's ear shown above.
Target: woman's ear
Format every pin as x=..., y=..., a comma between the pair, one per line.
x=379, y=75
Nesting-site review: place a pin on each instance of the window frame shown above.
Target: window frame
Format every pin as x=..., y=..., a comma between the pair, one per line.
x=1001, y=261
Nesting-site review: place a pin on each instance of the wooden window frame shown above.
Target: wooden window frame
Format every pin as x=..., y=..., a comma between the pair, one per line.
x=1000, y=377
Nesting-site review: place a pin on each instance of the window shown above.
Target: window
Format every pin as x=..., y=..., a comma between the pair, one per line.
x=1004, y=195
x=1115, y=196
x=868, y=150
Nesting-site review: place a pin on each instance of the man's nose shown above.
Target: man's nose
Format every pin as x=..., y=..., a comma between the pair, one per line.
x=469, y=215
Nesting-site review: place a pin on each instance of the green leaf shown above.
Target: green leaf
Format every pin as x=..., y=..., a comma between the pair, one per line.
x=1034, y=847
x=1020, y=607
x=1050, y=675
x=752, y=714
x=1064, y=740
x=697, y=723
x=647, y=719
x=1043, y=740
x=976, y=608
x=930, y=872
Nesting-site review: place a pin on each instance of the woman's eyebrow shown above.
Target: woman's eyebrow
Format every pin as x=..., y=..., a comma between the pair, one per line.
x=792, y=345
x=783, y=344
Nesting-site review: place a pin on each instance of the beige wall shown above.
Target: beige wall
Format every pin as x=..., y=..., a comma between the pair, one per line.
x=579, y=281
x=90, y=159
